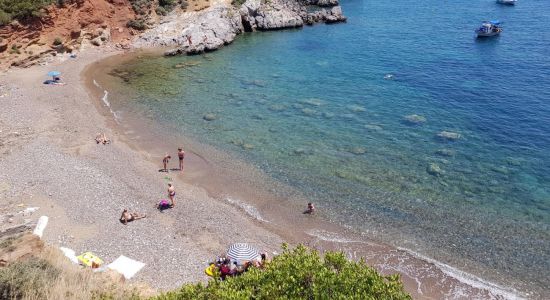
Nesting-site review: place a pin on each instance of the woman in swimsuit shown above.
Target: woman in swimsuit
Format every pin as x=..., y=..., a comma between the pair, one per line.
x=171, y=194
x=181, y=156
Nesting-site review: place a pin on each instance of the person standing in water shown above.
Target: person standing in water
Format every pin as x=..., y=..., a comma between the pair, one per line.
x=181, y=156
x=171, y=194
x=165, y=161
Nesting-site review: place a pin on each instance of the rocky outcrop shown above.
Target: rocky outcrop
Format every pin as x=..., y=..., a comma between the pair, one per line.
x=279, y=14
x=210, y=29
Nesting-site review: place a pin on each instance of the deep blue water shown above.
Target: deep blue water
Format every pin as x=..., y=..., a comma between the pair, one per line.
x=313, y=109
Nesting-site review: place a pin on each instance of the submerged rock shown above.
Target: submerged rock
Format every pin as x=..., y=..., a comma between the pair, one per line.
x=358, y=150
x=434, y=169
x=356, y=108
x=308, y=111
x=373, y=127
x=210, y=117
x=445, y=152
x=415, y=119
x=448, y=135
x=277, y=107
x=313, y=101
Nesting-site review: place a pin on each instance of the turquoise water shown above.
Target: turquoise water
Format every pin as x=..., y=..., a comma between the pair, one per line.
x=312, y=108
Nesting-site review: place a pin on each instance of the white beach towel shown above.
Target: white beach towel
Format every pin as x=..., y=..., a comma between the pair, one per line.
x=40, y=226
x=126, y=266
x=70, y=254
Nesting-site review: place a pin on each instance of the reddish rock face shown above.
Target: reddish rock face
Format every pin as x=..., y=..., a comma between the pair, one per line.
x=68, y=23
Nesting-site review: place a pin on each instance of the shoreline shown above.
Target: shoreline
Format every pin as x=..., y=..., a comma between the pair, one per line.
x=249, y=205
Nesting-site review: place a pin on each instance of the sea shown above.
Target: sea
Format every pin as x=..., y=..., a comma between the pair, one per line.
x=399, y=124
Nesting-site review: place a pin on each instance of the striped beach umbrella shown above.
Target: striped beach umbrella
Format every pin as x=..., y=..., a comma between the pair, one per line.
x=242, y=252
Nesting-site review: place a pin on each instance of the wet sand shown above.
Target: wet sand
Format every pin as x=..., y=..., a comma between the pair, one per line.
x=220, y=199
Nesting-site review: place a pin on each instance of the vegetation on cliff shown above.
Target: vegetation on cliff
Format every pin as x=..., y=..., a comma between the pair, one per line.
x=21, y=9
x=31, y=270
x=300, y=273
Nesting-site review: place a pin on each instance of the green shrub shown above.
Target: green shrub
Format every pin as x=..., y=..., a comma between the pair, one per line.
x=237, y=2
x=33, y=275
x=57, y=41
x=138, y=24
x=161, y=11
x=21, y=9
x=300, y=273
x=141, y=7
x=5, y=18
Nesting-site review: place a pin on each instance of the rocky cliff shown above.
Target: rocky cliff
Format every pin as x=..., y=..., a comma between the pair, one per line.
x=210, y=29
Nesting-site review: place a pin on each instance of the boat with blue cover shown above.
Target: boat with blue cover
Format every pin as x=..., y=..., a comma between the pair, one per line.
x=489, y=28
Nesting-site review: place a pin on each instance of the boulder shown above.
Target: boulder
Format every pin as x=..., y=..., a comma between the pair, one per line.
x=210, y=117
x=448, y=135
x=434, y=169
x=445, y=152
x=415, y=119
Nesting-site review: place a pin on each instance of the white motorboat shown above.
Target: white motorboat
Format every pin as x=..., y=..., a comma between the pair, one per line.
x=507, y=2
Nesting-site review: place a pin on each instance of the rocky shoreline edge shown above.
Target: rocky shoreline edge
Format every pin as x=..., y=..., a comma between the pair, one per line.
x=208, y=30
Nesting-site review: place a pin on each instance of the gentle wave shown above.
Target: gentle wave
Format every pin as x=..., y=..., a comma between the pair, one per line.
x=497, y=291
x=249, y=209
x=106, y=102
x=330, y=236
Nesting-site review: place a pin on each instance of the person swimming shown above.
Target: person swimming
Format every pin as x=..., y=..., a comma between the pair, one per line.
x=310, y=209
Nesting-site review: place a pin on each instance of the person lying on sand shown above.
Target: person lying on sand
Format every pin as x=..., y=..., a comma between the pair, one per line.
x=165, y=161
x=129, y=217
x=102, y=138
x=310, y=209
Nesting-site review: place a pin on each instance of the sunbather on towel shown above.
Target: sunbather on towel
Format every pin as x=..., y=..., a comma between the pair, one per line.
x=129, y=217
x=102, y=138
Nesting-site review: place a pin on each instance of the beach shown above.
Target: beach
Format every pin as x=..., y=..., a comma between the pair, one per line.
x=50, y=160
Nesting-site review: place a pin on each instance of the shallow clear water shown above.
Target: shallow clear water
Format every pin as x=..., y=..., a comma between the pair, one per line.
x=313, y=109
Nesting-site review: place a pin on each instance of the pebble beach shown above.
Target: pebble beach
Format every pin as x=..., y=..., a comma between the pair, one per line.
x=49, y=159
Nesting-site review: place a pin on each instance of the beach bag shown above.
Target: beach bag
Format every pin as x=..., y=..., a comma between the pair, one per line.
x=89, y=259
x=164, y=204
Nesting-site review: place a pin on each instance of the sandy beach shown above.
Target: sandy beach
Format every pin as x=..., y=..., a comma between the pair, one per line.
x=49, y=159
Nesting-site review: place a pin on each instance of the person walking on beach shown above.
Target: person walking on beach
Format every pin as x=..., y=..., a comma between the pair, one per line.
x=171, y=194
x=181, y=156
x=165, y=161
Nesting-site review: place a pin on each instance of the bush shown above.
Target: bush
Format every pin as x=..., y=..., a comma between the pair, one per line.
x=21, y=9
x=57, y=41
x=300, y=273
x=19, y=278
x=141, y=7
x=161, y=11
x=237, y=2
x=138, y=24
x=5, y=18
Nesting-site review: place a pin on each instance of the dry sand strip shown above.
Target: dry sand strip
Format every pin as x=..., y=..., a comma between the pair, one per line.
x=48, y=158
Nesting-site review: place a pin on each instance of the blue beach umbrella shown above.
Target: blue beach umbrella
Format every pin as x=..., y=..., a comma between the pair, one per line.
x=54, y=73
